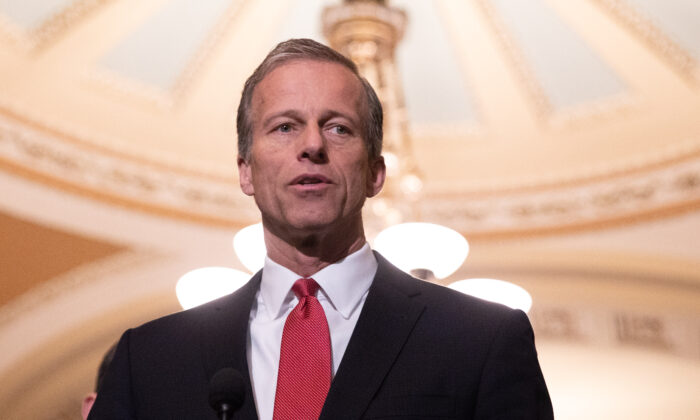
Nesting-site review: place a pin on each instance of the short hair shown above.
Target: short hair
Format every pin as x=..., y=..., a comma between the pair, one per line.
x=104, y=365
x=307, y=49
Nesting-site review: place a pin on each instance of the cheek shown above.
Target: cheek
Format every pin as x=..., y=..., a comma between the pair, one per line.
x=358, y=177
x=265, y=171
x=263, y=182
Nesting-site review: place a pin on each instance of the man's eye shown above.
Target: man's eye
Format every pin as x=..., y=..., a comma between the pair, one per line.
x=339, y=129
x=284, y=128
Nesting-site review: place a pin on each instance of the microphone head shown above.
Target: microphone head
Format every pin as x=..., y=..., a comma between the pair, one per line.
x=226, y=390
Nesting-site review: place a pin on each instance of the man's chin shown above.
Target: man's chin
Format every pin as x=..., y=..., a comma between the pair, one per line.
x=297, y=225
x=311, y=226
x=316, y=224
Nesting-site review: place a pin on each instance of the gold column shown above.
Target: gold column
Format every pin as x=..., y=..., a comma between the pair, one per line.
x=368, y=31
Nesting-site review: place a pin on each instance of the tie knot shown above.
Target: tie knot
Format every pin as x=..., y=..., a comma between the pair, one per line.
x=305, y=287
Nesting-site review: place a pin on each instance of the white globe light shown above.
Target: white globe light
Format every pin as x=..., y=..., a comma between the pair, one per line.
x=208, y=283
x=392, y=163
x=498, y=291
x=249, y=245
x=412, y=246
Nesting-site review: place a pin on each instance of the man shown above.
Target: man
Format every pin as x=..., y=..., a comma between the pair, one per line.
x=89, y=399
x=328, y=328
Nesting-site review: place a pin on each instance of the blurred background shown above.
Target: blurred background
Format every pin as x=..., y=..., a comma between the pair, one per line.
x=560, y=138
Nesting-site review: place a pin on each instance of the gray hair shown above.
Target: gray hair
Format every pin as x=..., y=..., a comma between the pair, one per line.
x=307, y=49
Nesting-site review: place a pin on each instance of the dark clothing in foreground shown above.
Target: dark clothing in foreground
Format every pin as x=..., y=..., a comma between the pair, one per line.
x=418, y=351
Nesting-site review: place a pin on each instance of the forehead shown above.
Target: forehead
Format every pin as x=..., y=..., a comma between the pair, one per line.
x=301, y=80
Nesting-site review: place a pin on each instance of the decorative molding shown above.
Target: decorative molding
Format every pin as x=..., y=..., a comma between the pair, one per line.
x=613, y=200
x=17, y=113
x=206, y=50
x=584, y=300
x=120, y=86
x=666, y=333
x=606, y=196
x=643, y=330
x=47, y=32
x=556, y=322
x=604, y=107
x=591, y=113
x=525, y=75
x=12, y=34
x=465, y=128
x=653, y=37
x=170, y=97
x=675, y=153
x=120, y=180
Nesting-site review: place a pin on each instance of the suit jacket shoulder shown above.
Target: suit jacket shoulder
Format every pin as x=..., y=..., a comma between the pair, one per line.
x=423, y=350
x=418, y=350
x=162, y=368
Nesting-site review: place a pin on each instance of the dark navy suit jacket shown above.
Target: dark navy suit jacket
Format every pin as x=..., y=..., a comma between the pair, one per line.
x=418, y=350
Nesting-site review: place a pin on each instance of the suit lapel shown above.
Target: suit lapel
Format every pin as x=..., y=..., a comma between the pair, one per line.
x=224, y=337
x=384, y=325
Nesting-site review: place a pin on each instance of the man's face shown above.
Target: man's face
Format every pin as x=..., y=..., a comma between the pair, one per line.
x=308, y=168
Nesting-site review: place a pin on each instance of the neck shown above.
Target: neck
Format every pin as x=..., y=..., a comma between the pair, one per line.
x=306, y=253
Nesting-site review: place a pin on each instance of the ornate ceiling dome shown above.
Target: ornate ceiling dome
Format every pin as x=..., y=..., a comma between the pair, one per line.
x=523, y=116
x=562, y=138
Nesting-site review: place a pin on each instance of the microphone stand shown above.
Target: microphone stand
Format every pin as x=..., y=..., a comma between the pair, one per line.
x=224, y=412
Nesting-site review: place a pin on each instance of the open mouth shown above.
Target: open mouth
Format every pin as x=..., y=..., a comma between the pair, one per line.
x=310, y=180
x=307, y=181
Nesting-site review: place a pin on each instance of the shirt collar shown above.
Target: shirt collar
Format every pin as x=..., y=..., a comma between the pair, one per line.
x=342, y=283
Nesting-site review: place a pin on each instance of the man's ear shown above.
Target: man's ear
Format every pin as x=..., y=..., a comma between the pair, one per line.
x=245, y=177
x=375, y=182
x=88, y=401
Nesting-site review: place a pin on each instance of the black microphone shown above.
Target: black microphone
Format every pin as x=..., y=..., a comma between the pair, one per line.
x=226, y=392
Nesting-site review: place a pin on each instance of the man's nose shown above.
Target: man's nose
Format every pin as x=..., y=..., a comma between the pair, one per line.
x=313, y=146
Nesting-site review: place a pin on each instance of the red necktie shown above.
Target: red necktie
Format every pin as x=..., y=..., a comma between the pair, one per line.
x=304, y=375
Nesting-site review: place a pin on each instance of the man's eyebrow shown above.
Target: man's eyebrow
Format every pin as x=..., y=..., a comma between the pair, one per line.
x=289, y=113
x=330, y=114
x=297, y=116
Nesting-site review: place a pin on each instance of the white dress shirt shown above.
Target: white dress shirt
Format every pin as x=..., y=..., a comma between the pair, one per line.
x=342, y=293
